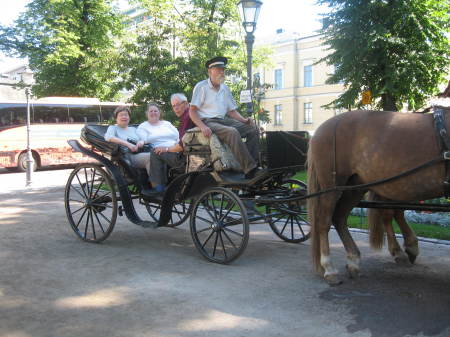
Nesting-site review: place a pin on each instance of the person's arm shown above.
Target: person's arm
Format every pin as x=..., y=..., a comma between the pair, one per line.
x=110, y=137
x=116, y=140
x=237, y=116
x=174, y=148
x=193, y=114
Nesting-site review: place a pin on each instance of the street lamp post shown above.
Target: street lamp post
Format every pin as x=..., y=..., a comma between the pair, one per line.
x=29, y=160
x=249, y=14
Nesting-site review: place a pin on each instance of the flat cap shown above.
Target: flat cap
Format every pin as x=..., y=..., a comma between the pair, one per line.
x=218, y=61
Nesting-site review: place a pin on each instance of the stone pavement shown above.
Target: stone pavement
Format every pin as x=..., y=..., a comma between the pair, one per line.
x=145, y=282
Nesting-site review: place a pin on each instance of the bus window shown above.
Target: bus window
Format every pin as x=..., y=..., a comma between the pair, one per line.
x=50, y=113
x=108, y=112
x=13, y=114
x=85, y=113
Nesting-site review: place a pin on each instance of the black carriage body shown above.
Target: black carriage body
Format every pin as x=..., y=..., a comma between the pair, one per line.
x=286, y=149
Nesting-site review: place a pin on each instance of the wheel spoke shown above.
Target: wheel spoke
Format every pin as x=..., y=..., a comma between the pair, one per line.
x=99, y=222
x=205, y=220
x=79, y=209
x=206, y=241
x=92, y=183
x=83, y=195
x=82, y=187
x=215, y=244
x=223, y=246
x=229, y=239
x=232, y=231
x=81, y=218
x=285, y=224
x=92, y=224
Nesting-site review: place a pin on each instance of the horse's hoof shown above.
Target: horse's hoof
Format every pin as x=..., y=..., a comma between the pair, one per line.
x=402, y=259
x=412, y=255
x=352, y=272
x=333, y=279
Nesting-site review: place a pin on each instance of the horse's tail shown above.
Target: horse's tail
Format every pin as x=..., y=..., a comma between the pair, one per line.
x=375, y=219
x=314, y=211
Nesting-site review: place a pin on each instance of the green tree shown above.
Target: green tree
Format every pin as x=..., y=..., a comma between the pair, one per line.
x=397, y=49
x=69, y=45
x=168, y=55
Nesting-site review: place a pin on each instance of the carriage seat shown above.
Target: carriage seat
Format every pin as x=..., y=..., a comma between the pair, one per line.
x=202, y=151
x=94, y=134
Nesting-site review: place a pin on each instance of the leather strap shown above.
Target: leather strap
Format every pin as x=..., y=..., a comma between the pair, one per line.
x=439, y=125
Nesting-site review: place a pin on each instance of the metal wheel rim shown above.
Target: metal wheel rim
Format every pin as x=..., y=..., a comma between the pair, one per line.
x=91, y=203
x=290, y=227
x=219, y=233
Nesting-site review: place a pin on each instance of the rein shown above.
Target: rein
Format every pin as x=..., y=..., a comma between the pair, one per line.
x=362, y=186
x=439, y=124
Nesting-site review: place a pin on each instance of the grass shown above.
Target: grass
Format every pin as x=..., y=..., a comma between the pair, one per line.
x=423, y=230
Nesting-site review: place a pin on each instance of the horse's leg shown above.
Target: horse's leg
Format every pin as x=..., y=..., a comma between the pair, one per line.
x=327, y=206
x=409, y=237
x=341, y=213
x=387, y=216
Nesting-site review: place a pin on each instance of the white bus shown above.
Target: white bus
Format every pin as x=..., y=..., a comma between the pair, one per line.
x=53, y=120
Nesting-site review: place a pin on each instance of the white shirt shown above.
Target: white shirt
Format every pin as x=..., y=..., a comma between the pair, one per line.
x=162, y=135
x=211, y=103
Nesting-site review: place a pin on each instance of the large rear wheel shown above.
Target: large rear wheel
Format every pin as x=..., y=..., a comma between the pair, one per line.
x=219, y=225
x=91, y=202
x=288, y=220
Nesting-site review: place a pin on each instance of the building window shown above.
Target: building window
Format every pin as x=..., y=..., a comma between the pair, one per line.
x=278, y=79
x=278, y=115
x=308, y=113
x=307, y=75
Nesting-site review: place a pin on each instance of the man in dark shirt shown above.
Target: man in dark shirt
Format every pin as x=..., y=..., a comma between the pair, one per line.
x=180, y=106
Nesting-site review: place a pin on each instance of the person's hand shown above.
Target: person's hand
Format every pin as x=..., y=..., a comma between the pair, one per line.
x=132, y=147
x=249, y=121
x=140, y=144
x=159, y=150
x=206, y=131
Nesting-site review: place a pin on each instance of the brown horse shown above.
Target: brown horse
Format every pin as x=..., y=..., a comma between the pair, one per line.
x=360, y=147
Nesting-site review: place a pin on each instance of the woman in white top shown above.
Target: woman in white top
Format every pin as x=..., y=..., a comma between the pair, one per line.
x=122, y=134
x=164, y=138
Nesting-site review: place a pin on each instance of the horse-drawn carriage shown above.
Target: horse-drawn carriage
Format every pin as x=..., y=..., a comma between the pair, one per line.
x=220, y=203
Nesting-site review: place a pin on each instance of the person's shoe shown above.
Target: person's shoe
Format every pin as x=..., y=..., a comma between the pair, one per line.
x=254, y=173
x=151, y=192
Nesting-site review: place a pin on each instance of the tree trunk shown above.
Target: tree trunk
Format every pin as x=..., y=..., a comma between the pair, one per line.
x=388, y=103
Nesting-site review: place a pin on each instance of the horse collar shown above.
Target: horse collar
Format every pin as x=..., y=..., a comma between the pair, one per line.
x=439, y=125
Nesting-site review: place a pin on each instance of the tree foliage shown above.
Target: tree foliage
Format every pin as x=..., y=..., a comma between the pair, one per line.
x=397, y=49
x=69, y=45
x=169, y=53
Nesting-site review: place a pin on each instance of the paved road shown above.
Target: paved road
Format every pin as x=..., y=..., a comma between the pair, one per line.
x=144, y=282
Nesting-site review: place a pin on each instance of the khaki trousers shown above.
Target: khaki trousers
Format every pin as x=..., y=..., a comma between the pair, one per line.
x=231, y=132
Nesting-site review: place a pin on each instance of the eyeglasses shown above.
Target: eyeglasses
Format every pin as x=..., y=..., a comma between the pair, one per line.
x=177, y=105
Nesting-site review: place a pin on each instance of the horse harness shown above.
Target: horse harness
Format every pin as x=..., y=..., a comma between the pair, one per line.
x=439, y=126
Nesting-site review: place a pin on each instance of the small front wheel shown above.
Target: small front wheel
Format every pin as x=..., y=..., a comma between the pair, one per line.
x=219, y=225
x=288, y=220
x=91, y=202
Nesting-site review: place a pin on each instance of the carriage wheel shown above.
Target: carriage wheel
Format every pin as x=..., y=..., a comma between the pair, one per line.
x=289, y=220
x=180, y=212
x=219, y=225
x=91, y=203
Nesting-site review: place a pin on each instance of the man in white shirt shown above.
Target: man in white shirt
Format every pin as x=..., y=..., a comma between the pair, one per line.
x=213, y=110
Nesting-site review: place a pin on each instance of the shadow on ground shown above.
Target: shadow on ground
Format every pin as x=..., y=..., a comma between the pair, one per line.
x=396, y=301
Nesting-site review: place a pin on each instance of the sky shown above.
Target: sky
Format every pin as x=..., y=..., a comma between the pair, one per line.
x=301, y=16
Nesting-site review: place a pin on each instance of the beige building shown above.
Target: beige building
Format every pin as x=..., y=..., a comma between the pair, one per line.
x=299, y=91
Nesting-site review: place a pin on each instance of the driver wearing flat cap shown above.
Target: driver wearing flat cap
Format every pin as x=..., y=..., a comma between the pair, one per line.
x=213, y=110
